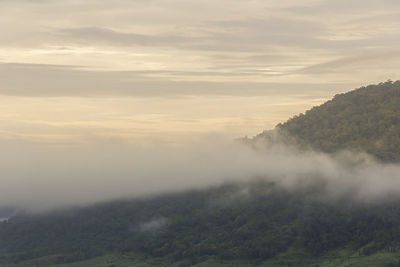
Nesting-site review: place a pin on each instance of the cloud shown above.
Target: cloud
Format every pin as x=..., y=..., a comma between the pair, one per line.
x=153, y=225
x=95, y=35
x=41, y=177
x=36, y=80
x=251, y=41
x=221, y=35
x=381, y=60
x=352, y=8
x=245, y=35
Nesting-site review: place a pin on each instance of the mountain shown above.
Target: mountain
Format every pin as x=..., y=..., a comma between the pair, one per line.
x=257, y=223
x=366, y=119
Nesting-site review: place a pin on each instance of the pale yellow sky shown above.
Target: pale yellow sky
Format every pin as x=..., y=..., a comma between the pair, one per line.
x=138, y=120
x=166, y=70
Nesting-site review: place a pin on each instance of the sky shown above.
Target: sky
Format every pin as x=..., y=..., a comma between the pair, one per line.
x=102, y=99
x=163, y=71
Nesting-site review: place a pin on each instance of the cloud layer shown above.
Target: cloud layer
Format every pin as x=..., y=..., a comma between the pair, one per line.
x=178, y=47
x=40, y=178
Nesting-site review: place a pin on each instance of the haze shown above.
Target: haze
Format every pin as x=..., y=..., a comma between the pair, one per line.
x=103, y=99
x=40, y=178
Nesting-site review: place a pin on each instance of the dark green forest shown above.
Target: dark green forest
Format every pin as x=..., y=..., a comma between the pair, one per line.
x=251, y=223
x=366, y=119
x=248, y=222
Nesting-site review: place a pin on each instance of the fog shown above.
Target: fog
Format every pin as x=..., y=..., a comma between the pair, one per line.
x=42, y=177
x=152, y=225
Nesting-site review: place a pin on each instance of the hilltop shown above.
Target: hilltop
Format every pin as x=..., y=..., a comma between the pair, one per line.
x=364, y=120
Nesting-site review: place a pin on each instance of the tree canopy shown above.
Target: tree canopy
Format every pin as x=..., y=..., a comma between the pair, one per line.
x=366, y=119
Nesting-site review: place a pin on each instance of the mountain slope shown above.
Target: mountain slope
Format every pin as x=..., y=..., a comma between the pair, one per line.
x=366, y=119
x=243, y=223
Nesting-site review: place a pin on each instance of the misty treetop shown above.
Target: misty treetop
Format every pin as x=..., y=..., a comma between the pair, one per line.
x=366, y=119
x=209, y=224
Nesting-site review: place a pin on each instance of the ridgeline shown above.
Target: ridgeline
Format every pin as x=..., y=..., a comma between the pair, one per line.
x=363, y=120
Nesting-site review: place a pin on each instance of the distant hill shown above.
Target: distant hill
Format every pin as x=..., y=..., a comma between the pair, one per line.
x=366, y=119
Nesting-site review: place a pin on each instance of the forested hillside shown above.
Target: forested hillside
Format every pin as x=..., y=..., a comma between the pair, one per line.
x=366, y=119
x=245, y=223
x=256, y=223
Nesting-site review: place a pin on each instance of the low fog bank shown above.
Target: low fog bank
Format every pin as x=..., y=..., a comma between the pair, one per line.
x=43, y=177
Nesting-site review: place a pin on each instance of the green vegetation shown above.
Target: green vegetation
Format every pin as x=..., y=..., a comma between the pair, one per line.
x=344, y=258
x=366, y=119
x=249, y=224
x=253, y=224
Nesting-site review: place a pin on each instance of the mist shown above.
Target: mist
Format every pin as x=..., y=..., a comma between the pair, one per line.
x=41, y=177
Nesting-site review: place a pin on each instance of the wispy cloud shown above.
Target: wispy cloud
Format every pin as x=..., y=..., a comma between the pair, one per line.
x=55, y=80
